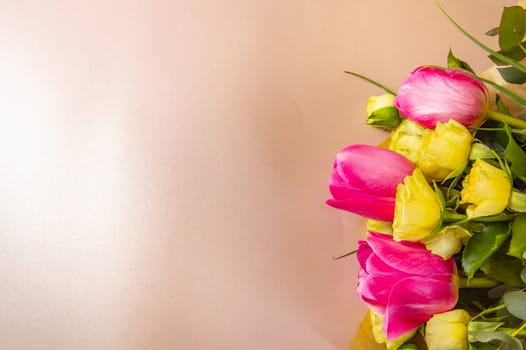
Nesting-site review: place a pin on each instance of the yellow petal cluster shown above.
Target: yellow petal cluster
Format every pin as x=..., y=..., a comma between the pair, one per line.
x=406, y=139
x=444, y=149
x=417, y=209
x=448, y=331
x=486, y=190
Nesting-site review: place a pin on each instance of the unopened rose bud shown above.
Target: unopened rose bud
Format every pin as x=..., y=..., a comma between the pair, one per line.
x=382, y=113
x=447, y=242
x=448, y=331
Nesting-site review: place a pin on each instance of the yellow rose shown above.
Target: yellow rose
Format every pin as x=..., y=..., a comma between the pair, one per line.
x=406, y=139
x=444, y=149
x=377, y=325
x=382, y=113
x=448, y=331
x=486, y=190
x=417, y=209
x=447, y=242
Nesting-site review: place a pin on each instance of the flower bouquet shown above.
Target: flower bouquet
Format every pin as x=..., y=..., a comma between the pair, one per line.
x=445, y=199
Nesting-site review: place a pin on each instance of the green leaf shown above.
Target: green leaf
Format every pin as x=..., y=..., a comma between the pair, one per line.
x=510, y=343
x=482, y=245
x=515, y=53
x=512, y=27
x=511, y=75
x=518, y=237
x=516, y=303
x=484, y=326
x=482, y=346
x=493, y=31
x=494, y=218
x=502, y=57
x=515, y=155
x=454, y=62
x=504, y=268
x=523, y=275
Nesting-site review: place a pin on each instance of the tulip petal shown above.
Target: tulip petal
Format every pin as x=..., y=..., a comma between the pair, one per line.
x=410, y=257
x=430, y=95
x=414, y=300
x=365, y=167
x=375, y=291
x=367, y=205
x=363, y=253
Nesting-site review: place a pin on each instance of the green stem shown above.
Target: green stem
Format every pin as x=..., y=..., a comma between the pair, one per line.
x=513, y=96
x=520, y=329
x=344, y=255
x=369, y=80
x=513, y=331
x=506, y=119
x=489, y=311
x=477, y=282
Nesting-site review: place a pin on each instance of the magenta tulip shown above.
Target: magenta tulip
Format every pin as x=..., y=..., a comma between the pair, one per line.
x=404, y=282
x=364, y=180
x=432, y=95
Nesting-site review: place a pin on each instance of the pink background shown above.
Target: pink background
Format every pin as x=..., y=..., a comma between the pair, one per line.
x=164, y=165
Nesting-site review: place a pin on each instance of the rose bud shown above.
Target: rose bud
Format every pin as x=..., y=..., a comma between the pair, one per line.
x=486, y=190
x=447, y=242
x=444, y=149
x=364, y=180
x=417, y=209
x=448, y=331
x=382, y=113
x=404, y=282
x=430, y=95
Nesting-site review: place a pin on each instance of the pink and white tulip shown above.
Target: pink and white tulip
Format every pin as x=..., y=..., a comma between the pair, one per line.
x=404, y=282
x=430, y=95
x=364, y=180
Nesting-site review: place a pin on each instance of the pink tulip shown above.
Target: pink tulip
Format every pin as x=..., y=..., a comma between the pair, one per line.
x=364, y=180
x=432, y=95
x=404, y=282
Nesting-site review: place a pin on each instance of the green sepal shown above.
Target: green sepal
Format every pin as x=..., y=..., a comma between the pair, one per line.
x=454, y=62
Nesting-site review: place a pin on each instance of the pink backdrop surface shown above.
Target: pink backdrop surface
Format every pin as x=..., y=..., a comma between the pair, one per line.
x=164, y=165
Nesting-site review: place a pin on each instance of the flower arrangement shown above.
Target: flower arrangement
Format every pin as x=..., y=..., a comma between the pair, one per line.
x=445, y=199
